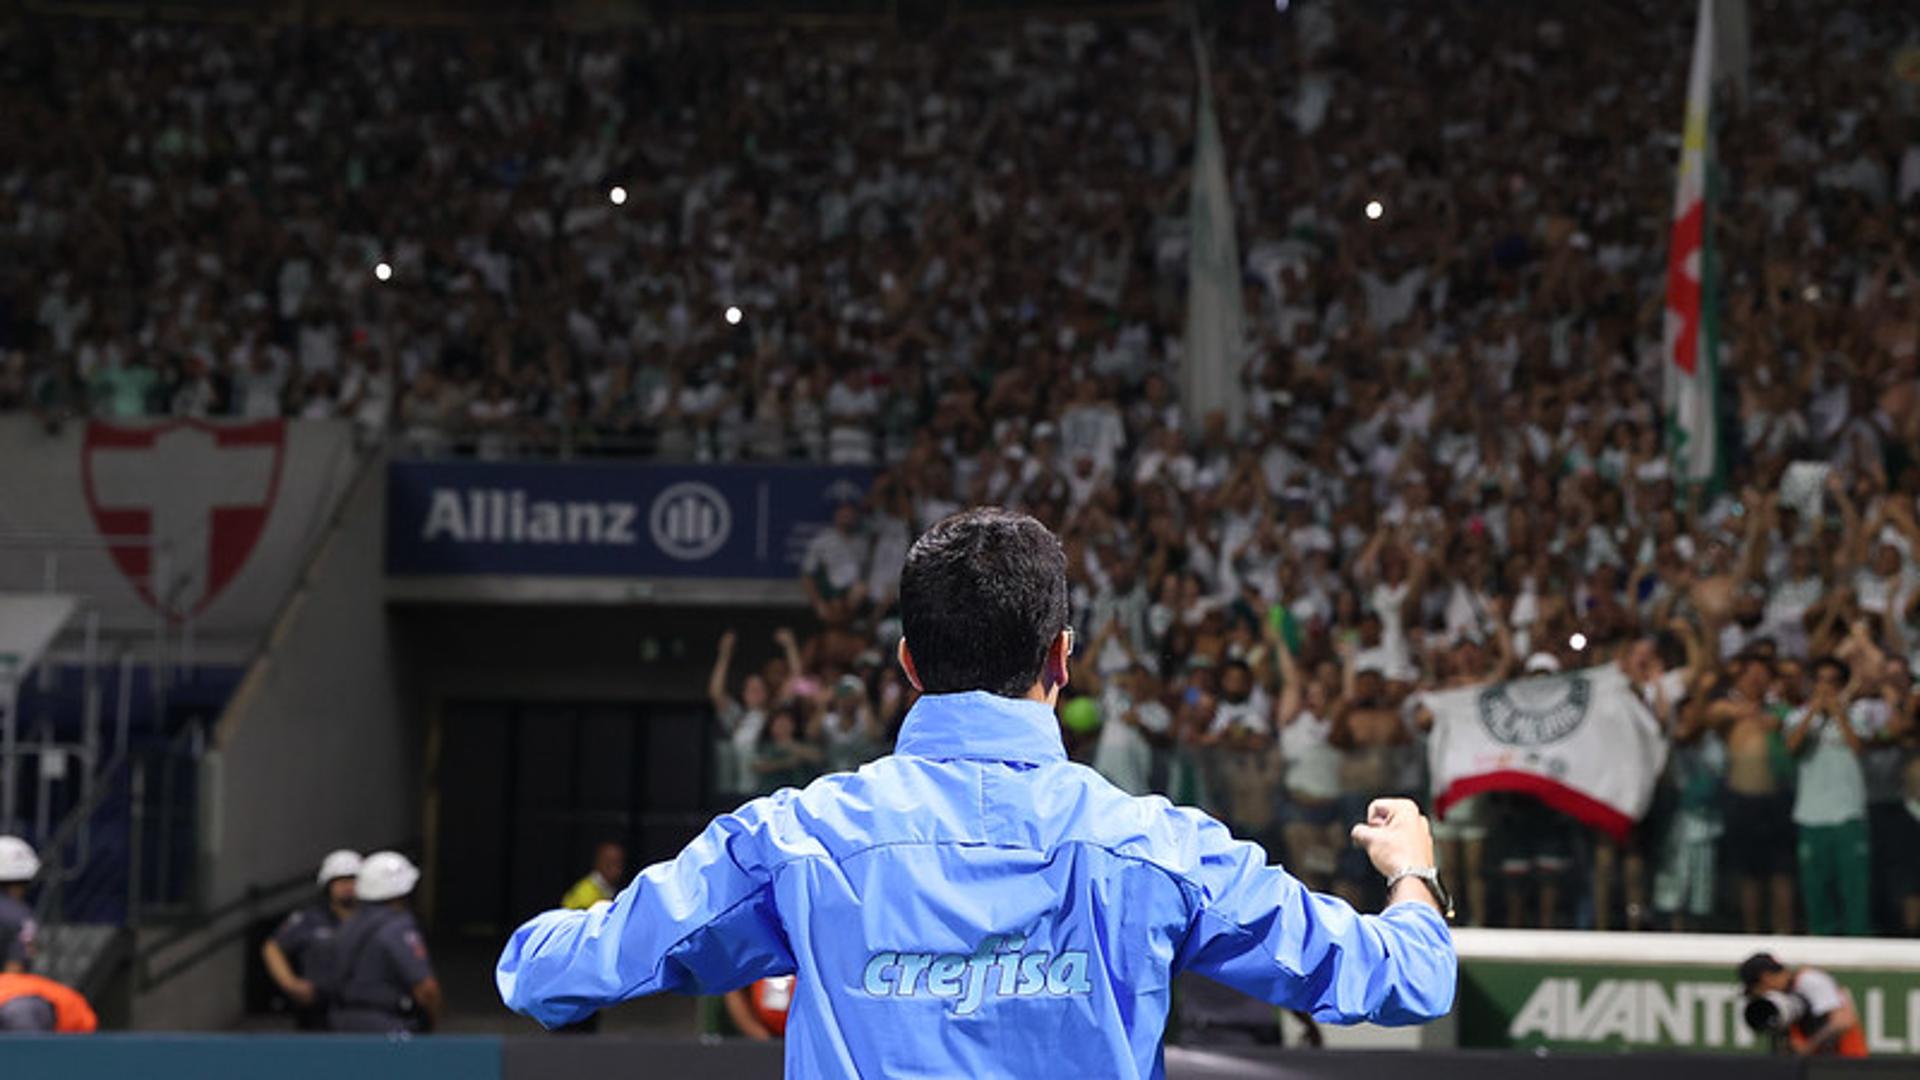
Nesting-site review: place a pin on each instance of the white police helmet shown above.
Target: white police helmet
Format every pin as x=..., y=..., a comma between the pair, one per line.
x=386, y=875
x=339, y=864
x=18, y=863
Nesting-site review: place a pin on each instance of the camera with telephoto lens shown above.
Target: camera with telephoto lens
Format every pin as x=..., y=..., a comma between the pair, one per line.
x=1775, y=1011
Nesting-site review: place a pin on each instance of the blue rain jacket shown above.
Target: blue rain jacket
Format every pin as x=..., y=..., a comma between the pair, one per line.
x=977, y=905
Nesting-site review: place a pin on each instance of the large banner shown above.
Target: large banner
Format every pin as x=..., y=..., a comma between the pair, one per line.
x=609, y=519
x=1583, y=742
x=184, y=519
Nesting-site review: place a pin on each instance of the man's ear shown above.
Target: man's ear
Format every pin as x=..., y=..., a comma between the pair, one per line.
x=1053, y=674
x=906, y=665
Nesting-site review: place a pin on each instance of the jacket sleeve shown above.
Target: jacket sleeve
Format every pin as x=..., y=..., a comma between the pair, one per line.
x=704, y=922
x=1255, y=928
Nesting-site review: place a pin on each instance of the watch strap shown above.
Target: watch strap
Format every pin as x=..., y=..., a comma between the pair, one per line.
x=1430, y=877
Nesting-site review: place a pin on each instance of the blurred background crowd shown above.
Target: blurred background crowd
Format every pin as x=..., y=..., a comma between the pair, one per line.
x=962, y=259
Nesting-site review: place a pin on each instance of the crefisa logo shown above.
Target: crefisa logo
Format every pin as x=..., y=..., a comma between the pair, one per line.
x=1001, y=967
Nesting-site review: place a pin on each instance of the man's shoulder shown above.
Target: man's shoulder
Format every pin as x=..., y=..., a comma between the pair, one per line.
x=1147, y=828
x=14, y=913
x=400, y=926
x=902, y=799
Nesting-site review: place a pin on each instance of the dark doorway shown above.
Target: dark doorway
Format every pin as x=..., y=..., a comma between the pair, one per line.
x=528, y=788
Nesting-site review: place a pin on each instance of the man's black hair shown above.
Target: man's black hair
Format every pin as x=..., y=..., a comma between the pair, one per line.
x=1755, y=966
x=1835, y=664
x=982, y=598
x=1671, y=649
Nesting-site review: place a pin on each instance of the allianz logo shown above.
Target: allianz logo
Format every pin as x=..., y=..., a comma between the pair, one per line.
x=1001, y=967
x=507, y=516
x=686, y=521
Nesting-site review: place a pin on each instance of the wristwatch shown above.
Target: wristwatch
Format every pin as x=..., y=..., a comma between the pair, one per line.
x=1430, y=877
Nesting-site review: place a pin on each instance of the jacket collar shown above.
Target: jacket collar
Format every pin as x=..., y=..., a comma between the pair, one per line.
x=979, y=725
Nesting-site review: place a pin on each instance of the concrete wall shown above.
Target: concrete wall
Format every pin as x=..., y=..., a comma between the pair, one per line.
x=64, y=493
x=317, y=750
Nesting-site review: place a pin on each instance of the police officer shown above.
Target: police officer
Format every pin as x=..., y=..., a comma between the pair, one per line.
x=300, y=956
x=18, y=866
x=385, y=981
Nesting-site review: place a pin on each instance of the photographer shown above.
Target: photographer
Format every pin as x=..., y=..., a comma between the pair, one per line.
x=1803, y=1008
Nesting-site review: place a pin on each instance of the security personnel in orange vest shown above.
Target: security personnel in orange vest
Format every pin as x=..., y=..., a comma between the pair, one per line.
x=34, y=1003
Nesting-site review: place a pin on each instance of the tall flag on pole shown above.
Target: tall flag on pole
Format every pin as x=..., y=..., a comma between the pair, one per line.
x=1210, y=377
x=1689, y=358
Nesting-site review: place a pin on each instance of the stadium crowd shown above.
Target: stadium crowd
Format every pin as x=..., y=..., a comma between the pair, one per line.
x=961, y=259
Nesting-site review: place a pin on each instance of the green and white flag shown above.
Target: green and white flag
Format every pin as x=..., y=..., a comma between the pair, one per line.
x=1210, y=377
x=1583, y=742
x=1689, y=357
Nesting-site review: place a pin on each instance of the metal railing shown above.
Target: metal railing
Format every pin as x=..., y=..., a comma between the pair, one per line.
x=66, y=834
x=187, y=947
x=157, y=785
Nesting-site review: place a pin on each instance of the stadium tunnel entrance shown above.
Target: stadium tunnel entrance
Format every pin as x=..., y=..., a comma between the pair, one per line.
x=548, y=729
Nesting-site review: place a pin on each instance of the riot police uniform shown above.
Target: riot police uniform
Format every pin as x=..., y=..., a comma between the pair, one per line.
x=18, y=865
x=301, y=949
x=381, y=956
x=308, y=937
x=16, y=934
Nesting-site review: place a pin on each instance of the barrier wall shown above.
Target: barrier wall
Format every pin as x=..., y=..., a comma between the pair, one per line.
x=236, y=1057
x=1573, y=991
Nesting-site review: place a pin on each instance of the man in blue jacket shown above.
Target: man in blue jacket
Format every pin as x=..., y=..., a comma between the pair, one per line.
x=976, y=904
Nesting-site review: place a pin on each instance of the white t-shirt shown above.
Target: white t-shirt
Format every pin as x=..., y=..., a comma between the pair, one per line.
x=891, y=539
x=1390, y=603
x=1312, y=762
x=1093, y=430
x=1823, y=994
x=1789, y=600
x=1123, y=754
x=838, y=557
x=743, y=727
x=1832, y=786
x=1254, y=715
x=850, y=438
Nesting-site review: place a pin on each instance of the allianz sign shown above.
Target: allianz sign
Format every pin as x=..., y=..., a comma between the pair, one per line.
x=687, y=521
